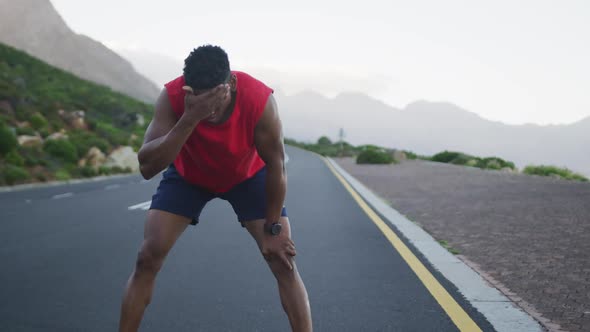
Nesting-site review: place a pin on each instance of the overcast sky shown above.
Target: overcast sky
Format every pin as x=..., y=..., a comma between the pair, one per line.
x=510, y=61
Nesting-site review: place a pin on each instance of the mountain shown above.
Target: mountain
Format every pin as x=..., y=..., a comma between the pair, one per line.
x=427, y=128
x=159, y=68
x=35, y=27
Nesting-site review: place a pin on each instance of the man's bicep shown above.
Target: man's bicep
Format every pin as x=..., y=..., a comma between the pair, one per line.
x=163, y=121
x=268, y=134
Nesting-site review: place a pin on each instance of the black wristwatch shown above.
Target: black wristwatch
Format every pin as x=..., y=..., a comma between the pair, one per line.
x=274, y=228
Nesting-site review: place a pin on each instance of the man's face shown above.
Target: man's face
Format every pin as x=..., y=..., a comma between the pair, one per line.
x=222, y=106
x=219, y=103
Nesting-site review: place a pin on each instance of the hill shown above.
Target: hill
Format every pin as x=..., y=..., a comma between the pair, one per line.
x=35, y=27
x=50, y=120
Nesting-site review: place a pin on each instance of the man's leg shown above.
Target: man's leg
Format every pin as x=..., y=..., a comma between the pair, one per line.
x=291, y=288
x=161, y=231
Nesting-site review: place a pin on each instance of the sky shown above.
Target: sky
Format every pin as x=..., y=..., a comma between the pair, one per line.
x=511, y=61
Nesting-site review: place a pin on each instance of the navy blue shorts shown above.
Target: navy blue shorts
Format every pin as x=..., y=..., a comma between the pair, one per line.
x=176, y=195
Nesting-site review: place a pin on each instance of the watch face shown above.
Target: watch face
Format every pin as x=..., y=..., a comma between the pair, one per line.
x=276, y=229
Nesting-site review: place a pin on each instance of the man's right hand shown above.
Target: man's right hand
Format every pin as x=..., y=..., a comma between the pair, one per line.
x=198, y=107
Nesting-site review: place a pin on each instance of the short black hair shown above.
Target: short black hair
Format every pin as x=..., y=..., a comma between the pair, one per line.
x=206, y=67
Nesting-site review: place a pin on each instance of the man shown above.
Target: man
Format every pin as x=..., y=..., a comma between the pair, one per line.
x=219, y=135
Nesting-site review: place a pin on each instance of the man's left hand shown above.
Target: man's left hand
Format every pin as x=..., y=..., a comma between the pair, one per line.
x=278, y=247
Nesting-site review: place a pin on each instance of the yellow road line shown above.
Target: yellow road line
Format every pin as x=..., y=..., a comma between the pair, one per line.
x=446, y=301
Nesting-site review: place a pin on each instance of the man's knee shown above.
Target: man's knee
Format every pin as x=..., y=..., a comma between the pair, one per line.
x=280, y=270
x=149, y=261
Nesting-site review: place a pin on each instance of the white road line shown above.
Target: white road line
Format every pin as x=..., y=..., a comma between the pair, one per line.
x=63, y=195
x=112, y=186
x=142, y=206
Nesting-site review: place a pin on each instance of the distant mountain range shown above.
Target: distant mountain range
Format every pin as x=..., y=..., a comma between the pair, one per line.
x=35, y=27
x=427, y=128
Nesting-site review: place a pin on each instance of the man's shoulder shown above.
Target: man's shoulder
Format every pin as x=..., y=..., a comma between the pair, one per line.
x=247, y=78
x=176, y=83
x=252, y=86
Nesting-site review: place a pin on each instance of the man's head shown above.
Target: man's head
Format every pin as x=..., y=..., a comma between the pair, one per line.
x=206, y=67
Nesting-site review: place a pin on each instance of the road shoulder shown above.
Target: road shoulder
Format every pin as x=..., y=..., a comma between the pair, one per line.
x=500, y=311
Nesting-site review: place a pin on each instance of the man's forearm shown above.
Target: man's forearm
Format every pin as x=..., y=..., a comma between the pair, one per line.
x=155, y=155
x=276, y=189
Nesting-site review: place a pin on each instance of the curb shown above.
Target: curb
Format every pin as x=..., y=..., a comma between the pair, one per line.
x=499, y=310
x=59, y=183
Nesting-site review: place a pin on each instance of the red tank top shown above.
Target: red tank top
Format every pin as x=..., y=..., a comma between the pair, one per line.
x=217, y=157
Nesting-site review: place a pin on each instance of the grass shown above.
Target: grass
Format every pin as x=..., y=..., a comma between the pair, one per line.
x=446, y=245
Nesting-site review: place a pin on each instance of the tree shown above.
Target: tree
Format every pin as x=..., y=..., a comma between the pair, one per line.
x=324, y=141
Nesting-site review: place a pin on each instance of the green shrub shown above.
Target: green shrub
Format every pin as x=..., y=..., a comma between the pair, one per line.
x=8, y=141
x=88, y=171
x=23, y=112
x=112, y=134
x=136, y=145
x=116, y=170
x=103, y=170
x=545, y=170
x=41, y=177
x=445, y=156
x=369, y=147
x=38, y=121
x=14, y=158
x=84, y=140
x=324, y=150
x=374, y=156
x=461, y=159
x=31, y=161
x=44, y=132
x=327, y=148
x=324, y=141
x=91, y=123
x=57, y=123
x=62, y=149
x=410, y=155
x=15, y=174
x=62, y=175
x=42, y=162
x=579, y=177
x=3, y=119
x=26, y=131
x=494, y=163
x=292, y=142
x=33, y=155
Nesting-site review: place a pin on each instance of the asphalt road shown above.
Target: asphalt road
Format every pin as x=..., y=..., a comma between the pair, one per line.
x=67, y=252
